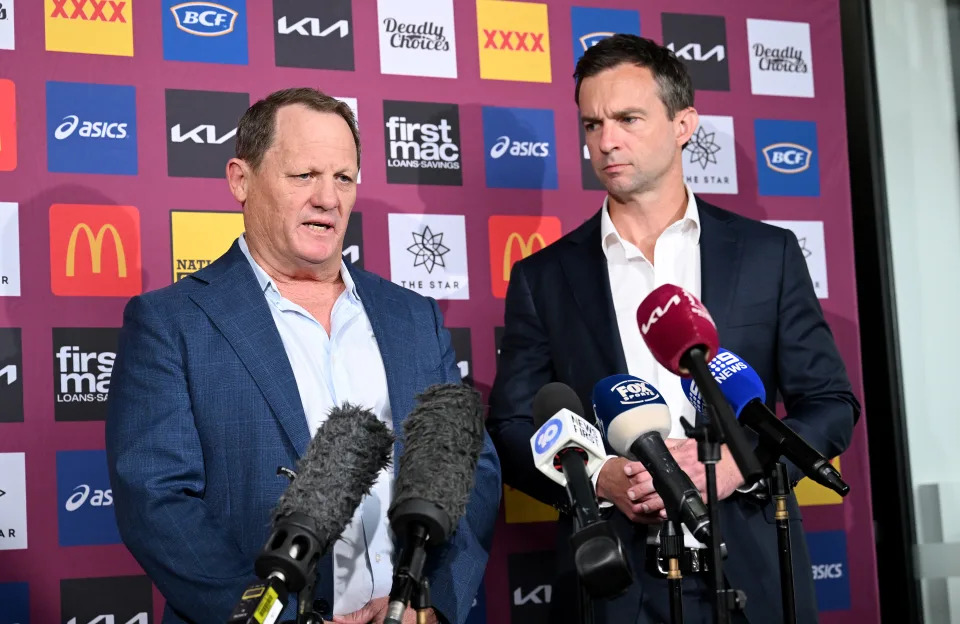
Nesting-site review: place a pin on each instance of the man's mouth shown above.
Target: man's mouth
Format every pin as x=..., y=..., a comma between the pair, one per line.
x=319, y=226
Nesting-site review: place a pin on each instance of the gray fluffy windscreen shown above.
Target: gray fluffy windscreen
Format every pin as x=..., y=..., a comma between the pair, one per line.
x=338, y=469
x=443, y=437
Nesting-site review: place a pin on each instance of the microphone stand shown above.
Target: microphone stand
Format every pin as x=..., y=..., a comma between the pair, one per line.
x=709, y=438
x=421, y=600
x=585, y=603
x=671, y=544
x=779, y=490
x=602, y=567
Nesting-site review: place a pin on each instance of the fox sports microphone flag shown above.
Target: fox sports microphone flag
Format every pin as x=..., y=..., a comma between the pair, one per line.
x=637, y=421
x=672, y=322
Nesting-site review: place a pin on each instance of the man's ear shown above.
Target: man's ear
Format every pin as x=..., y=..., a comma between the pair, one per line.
x=685, y=124
x=238, y=177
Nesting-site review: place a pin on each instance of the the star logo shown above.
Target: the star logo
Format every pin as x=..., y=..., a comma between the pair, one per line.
x=703, y=148
x=803, y=247
x=428, y=249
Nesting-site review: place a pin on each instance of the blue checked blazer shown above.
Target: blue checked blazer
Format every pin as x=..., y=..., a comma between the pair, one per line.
x=204, y=407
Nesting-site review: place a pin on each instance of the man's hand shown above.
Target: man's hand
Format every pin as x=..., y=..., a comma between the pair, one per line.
x=376, y=610
x=613, y=484
x=684, y=450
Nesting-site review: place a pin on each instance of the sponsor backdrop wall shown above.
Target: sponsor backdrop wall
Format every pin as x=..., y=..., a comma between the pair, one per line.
x=116, y=120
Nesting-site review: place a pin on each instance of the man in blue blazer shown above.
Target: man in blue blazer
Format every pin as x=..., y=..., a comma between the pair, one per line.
x=227, y=374
x=571, y=317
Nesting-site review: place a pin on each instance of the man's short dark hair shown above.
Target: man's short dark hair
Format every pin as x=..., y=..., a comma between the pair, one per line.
x=675, y=86
x=256, y=127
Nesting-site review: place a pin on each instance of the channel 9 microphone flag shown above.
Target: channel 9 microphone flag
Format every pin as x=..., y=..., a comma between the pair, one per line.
x=117, y=120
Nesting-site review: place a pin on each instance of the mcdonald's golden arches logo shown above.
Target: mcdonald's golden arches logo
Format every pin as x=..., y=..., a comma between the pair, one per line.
x=514, y=238
x=94, y=250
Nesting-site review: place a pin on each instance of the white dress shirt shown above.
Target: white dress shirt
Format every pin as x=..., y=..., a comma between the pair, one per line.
x=632, y=278
x=343, y=367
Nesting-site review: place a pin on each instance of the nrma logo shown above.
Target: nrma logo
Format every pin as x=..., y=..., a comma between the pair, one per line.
x=204, y=19
x=787, y=158
x=636, y=392
x=505, y=145
x=81, y=496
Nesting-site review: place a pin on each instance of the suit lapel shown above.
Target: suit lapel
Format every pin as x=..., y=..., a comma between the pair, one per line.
x=585, y=268
x=392, y=328
x=720, y=255
x=235, y=304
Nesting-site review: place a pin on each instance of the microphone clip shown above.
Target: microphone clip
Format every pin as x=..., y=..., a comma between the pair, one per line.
x=283, y=470
x=601, y=564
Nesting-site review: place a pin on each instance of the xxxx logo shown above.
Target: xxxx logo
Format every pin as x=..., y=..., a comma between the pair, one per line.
x=96, y=12
x=513, y=40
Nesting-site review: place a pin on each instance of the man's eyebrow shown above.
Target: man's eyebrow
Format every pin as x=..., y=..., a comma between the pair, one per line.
x=620, y=114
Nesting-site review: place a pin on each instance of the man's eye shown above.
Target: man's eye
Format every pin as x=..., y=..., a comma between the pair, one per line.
x=302, y=176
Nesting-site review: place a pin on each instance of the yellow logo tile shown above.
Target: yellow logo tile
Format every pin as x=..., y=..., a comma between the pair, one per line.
x=199, y=238
x=518, y=507
x=514, y=40
x=89, y=26
x=810, y=493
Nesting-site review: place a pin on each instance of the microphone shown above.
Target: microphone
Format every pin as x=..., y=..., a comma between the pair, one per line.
x=682, y=337
x=743, y=389
x=443, y=438
x=637, y=419
x=569, y=450
x=337, y=470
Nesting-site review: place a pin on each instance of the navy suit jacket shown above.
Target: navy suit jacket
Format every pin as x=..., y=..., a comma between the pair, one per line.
x=204, y=407
x=560, y=325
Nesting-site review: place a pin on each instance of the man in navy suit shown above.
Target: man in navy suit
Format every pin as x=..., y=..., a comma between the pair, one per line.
x=571, y=317
x=227, y=374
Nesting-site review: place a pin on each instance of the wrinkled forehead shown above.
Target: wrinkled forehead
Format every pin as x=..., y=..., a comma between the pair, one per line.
x=320, y=137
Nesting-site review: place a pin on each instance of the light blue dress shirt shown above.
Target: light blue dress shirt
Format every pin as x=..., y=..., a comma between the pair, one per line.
x=343, y=367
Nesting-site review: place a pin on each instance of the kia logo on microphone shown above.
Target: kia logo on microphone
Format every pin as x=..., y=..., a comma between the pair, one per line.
x=658, y=313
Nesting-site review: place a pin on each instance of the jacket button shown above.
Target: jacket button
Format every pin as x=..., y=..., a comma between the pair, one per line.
x=322, y=607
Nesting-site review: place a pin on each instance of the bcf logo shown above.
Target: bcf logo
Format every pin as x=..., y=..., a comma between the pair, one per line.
x=548, y=433
x=205, y=19
x=787, y=157
x=787, y=163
